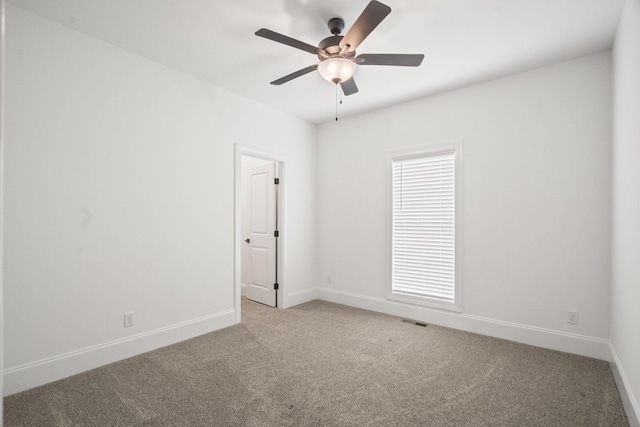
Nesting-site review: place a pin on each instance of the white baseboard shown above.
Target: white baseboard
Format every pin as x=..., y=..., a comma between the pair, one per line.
x=300, y=297
x=546, y=338
x=24, y=377
x=631, y=407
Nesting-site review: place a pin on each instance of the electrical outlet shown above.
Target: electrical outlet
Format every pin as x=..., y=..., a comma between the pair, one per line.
x=572, y=317
x=129, y=319
x=329, y=279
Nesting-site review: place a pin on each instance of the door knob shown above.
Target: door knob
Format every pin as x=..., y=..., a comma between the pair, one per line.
x=247, y=240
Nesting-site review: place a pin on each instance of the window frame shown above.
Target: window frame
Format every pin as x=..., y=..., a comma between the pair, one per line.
x=417, y=152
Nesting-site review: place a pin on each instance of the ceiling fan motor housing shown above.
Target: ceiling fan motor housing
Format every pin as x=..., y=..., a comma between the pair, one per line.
x=331, y=45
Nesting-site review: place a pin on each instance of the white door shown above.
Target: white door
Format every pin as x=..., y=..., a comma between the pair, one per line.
x=261, y=238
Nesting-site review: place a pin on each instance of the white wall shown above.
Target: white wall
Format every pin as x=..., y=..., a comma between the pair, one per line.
x=625, y=316
x=537, y=165
x=1, y=207
x=119, y=196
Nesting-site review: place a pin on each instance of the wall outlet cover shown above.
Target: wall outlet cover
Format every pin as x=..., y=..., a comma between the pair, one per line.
x=129, y=319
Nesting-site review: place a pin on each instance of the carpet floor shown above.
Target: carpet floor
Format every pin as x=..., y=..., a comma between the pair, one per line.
x=323, y=364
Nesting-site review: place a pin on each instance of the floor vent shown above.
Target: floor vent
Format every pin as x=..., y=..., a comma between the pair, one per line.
x=413, y=322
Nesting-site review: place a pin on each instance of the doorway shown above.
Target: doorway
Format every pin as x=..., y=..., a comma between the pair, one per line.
x=259, y=228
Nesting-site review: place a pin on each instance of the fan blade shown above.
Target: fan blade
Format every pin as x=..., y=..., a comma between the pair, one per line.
x=295, y=75
x=400, y=59
x=372, y=15
x=349, y=87
x=277, y=37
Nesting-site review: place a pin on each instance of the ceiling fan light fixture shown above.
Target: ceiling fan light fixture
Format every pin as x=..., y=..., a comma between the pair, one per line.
x=337, y=70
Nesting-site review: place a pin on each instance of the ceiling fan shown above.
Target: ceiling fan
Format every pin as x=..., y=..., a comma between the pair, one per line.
x=337, y=54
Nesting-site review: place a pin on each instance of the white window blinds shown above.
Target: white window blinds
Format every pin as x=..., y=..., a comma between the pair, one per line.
x=423, y=260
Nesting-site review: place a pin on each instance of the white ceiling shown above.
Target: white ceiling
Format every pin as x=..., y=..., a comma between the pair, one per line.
x=464, y=42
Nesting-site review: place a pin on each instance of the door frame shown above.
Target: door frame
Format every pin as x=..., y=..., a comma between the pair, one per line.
x=243, y=150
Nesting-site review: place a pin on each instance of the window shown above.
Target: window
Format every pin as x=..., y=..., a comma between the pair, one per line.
x=425, y=227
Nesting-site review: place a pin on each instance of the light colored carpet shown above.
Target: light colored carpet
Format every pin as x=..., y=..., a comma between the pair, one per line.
x=323, y=364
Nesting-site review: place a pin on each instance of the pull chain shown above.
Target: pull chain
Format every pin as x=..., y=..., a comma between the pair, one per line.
x=337, y=90
x=337, y=101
